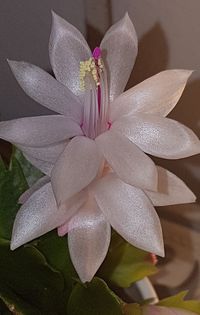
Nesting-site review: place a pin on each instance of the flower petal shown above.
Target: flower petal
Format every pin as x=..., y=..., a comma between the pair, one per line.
x=162, y=137
x=44, y=166
x=76, y=167
x=47, y=153
x=162, y=310
x=171, y=190
x=127, y=160
x=39, y=215
x=39, y=131
x=130, y=213
x=67, y=48
x=46, y=90
x=26, y=195
x=156, y=95
x=119, y=47
x=88, y=241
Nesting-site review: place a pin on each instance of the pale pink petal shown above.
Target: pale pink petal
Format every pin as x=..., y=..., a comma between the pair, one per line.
x=39, y=215
x=162, y=310
x=130, y=213
x=44, y=166
x=67, y=48
x=76, y=167
x=26, y=195
x=39, y=131
x=46, y=90
x=127, y=160
x=171, y=190
x=162, y=137
x=156, y=95
x=119, y=47
x=64, y=228
x=47, y=153
x=71, y=224
x=88, y=241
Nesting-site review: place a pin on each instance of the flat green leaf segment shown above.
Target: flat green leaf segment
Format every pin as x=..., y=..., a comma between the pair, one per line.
x=39, y=278
x=12, y=185
x=179, y=302
x=55, y=250
x=125, y=264
x=18, y=306
x=92, y=299
x=28, y=283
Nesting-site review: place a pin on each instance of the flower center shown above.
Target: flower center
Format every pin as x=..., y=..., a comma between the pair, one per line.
x=93, y=81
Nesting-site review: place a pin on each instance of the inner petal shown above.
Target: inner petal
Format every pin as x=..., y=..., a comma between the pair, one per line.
x=93, y=80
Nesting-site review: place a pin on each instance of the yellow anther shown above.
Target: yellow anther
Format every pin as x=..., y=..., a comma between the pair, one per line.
x=90, y=66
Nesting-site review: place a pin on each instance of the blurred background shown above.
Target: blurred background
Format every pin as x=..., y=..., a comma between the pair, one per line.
x=169, y=33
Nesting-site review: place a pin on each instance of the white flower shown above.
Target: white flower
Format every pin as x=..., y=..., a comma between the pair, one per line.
x=94, y=148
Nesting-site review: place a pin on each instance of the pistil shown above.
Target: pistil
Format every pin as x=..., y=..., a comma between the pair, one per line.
x=94, y=82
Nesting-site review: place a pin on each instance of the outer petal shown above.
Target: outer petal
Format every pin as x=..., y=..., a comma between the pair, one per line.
x=156, y=95
x=27, y=194
x=161, y=310
x=89, y=241
x=67, y=48
x=119, y=47
x=130, y=212
x=162, y=137
x=39, y=215
x=48, y=153
x=76, y=168
x=171, y=190
x=44, y=89
x=43, y=166
x=127, y=160
x=39, y=131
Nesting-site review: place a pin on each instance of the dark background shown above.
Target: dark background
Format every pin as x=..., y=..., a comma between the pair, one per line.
x=25, y=27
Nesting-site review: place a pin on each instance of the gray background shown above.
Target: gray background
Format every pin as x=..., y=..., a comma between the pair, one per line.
x=169, y=37
x=24, y=32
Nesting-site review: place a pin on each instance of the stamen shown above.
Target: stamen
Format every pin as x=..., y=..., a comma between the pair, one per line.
x=93, y=79
x=92, y=66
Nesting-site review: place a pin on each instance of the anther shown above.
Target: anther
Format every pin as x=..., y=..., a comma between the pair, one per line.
x=93, y=65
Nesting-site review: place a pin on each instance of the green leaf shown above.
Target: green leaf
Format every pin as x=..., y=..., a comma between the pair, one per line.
x=125, y=264
x=14, y=304
x=179, y=302
x=93, y=298
x=132, y=309
x=32, y=174
x=27, y=273
x=12, y=185
x=55, y=250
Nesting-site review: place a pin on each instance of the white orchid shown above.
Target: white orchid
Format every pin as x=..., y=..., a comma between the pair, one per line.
x=94, y=150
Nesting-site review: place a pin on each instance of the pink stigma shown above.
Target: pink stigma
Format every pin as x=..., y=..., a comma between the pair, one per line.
x=96, y=53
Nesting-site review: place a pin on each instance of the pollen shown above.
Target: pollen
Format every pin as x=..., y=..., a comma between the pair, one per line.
x=92, y=66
